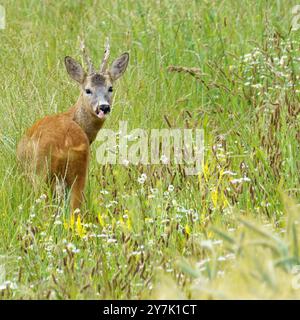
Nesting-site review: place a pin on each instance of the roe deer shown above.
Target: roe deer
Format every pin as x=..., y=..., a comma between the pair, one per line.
x=58, y=146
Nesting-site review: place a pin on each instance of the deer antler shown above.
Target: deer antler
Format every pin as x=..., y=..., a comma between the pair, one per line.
x=86, y=58
x=103, y=65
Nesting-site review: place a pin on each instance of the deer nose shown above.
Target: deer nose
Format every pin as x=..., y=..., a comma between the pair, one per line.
x=105, y=108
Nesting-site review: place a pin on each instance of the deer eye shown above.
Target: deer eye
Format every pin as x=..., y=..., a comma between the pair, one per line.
x=110, y=89
x=88, y=91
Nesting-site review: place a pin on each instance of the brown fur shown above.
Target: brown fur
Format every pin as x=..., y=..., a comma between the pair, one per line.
x=58, y=146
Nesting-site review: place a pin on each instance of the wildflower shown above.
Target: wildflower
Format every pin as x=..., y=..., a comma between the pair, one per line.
x=135, y=253
x=170, y=188
x=142, y=178
x=149, y=220
x=125, y=162
x=217, y=242
x=154, y=190
x=164, y=159
x=230, y=173
x=43, y=197
x=214, y=197
x=102, y=235
x=240, y=180
x=101, y=221
x=206, y=172
x=187, y=229
x=72, y=247
x=111, y=240
x=80, y=228
x=72, y=221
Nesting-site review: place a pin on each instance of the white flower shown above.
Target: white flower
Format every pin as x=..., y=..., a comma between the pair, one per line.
x=217, y=242
x=104, y=192
x=170, y=188
x=257, y=85
x=142, y=178
x=230, y=173
x=154, y=190
x=102, y=235
x=111, y=240
x=244, y=179
x=72, y=247
x=135, y=253
x=43, y=197
x=125, y=162
x=164, y=159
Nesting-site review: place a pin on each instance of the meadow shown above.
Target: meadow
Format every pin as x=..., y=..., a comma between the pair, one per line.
x=150, y=231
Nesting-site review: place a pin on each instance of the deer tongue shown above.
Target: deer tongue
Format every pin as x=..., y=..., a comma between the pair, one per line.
x=100, y=114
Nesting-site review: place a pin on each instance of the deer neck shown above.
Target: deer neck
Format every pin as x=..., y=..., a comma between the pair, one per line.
x=89, y=123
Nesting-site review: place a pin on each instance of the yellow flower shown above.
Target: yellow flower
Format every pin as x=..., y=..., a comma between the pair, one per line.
x=66, y=225
x=206, y=172
x=80, y=228
x=209, y=234
x=129, y=226
x=187, y=229
x=72, y=221
x=101, y=221
x=214, y=197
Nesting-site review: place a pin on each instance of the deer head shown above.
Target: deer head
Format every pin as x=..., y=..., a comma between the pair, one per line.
x=97, y=86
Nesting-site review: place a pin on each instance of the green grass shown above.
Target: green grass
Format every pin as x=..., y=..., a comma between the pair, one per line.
x=210, y=237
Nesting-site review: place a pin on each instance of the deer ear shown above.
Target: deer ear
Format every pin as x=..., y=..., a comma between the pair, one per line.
x=74, y=69
x=119, y=66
